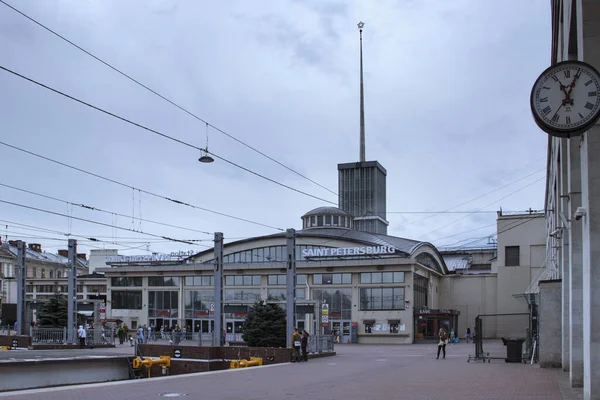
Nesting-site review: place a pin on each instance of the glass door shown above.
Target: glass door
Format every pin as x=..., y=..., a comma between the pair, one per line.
x=345, y=338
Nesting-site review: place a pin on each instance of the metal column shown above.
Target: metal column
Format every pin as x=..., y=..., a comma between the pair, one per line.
x=72, y=291
x=218, y=281
x=21, y=274
x=291, y=284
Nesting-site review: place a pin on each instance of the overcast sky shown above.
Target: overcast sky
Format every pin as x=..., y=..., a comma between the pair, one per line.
x=447, y=88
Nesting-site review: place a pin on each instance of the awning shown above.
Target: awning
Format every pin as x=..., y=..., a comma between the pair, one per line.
x=393, y=321
x=368, y=321
x=86, y=313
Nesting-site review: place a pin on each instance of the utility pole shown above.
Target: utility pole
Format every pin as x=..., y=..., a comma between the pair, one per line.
x=72, y=291
x=218, y=281
x=291, y=284
x=21, y=274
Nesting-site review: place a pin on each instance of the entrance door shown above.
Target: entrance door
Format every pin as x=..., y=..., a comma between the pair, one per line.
x=234, y=330
x=342, y=331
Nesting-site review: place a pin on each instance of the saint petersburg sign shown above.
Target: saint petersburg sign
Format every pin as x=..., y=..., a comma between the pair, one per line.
x=348, y=251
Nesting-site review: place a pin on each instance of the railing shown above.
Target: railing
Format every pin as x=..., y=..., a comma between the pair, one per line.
x=177, y=338
x=320, y=344
x=6, y=330
x=64, y=336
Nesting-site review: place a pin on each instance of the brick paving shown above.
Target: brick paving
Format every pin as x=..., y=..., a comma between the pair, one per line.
x=357, y=372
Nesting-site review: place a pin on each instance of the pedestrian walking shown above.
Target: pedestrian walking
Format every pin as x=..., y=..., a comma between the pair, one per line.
x=296, y=344
x=468, y=335
x=442, y=343
x=82, y=335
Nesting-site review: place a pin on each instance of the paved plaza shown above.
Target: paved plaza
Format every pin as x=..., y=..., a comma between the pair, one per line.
x=357, y=372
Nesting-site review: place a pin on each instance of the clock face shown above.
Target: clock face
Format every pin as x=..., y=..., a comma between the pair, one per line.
x=565, y=99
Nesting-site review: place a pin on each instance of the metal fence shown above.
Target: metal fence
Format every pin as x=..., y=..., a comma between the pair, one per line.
x=64, y=336
x=316, y=343
x=320, y=344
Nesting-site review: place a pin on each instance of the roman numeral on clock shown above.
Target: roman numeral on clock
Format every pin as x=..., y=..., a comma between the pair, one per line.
x=568, y=119
x=591, y=94
x=555, y=78
x=589, y=106
x=556, y=117
x=580, y=116
x=567, y=73
x=547, y=110
x=544, y=100
x=588, y=82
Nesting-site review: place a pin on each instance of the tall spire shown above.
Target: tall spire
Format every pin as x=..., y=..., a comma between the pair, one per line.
x=362, y=98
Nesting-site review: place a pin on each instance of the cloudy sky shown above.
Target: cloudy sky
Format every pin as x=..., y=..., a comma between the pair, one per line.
x=447, y=88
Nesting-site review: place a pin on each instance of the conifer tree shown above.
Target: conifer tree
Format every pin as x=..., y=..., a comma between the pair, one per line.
x=265, y=326
x=53, y=313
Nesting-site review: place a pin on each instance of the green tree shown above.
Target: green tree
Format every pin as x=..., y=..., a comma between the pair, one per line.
x=54, y=312
x=265, y=326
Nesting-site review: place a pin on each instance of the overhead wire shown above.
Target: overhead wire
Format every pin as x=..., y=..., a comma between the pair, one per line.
x=164, y=135
x=95, y=222
x=496, y=201
x=478, y=197
x=141, y=190
x=101, y=210
x=163, y=97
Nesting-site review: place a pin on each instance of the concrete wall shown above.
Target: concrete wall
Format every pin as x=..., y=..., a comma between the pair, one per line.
x=29, y=374
x=472, y=295
x=550, y=337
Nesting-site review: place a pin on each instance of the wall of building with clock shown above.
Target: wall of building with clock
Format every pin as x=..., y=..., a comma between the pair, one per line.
x=565, y=103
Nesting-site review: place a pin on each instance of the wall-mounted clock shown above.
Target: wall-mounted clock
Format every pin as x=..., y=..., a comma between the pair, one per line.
x=565, y=99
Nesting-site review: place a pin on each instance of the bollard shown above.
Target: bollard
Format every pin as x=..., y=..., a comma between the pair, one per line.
x=164, y=361
x=254, y=362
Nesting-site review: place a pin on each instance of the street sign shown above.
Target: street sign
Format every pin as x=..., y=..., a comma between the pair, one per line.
x=102, y=310
x=212, y=307
x=325, y=309
x=325, y=319
x=177, y=353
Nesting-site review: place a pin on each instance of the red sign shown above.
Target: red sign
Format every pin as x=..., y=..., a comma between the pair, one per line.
x=202, y=313
x=163, y=313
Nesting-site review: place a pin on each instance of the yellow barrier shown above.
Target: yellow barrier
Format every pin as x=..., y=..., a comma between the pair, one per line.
x=4, y=348
x=254, y=362
x=163, y=361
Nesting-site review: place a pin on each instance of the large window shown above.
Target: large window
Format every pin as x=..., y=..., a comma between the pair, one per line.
x=163, y=303
x=382, y=299
x=382, y=277
x=163, y=281
x=205, y=280
x=277, y=294
x=339, y=301
x=198, y=303
x=511, y=256
x=242, y=280
x=126, y=299
x=301, y=279
x=277, y=280
x=332, y=279
x=126, y=281
x=246, y=295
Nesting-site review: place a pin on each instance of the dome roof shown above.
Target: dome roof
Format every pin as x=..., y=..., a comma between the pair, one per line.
x=326, y=211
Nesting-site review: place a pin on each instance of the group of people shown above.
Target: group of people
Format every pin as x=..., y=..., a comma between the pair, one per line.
x=300, y=341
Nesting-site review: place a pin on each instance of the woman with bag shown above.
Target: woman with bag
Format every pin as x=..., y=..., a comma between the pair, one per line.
x=442, y=343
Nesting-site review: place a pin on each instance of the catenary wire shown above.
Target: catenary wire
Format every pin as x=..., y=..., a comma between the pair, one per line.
x=164, y=135
x=478, y=197
x=95, y=222
x=101, y=210
x=141, y=190
x=496, y=201
x=165, y=98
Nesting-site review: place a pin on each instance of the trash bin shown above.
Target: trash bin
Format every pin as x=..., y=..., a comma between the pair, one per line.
x=514, y=350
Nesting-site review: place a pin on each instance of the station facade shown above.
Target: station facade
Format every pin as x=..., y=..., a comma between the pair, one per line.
x=365, y=286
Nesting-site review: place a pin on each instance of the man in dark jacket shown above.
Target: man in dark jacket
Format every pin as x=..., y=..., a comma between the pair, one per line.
x=304, y=343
